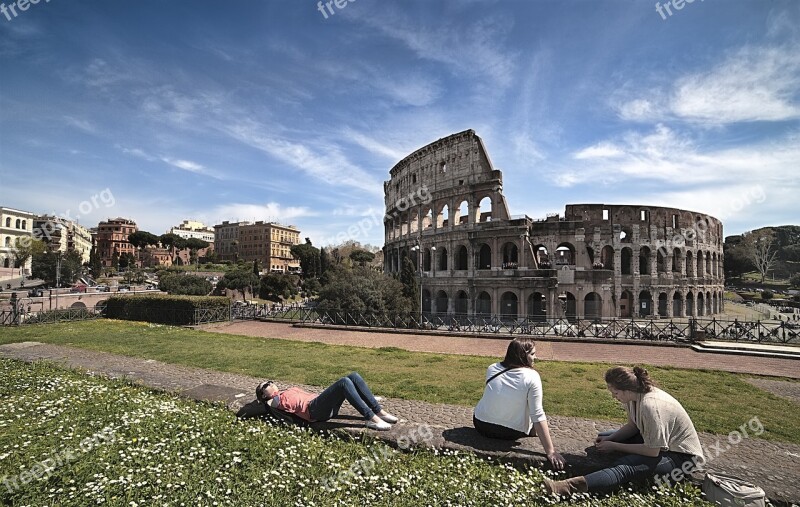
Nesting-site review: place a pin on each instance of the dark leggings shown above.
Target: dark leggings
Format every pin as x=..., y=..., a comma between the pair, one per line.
x=496, y=431
x=634, y=467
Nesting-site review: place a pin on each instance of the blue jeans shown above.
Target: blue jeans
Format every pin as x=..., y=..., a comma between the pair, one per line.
x=635, y=467
x=351, y=388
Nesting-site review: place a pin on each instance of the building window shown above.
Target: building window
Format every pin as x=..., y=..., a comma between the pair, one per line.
x=605, y=214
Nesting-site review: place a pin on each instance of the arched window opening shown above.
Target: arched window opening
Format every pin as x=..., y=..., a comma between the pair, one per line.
x=483, y=305
x=510, y=256
x=484, y=257
x=565, y=255
x=484, y=211
x=644, y=261
x=627, y=261
x=508, y=306
x=461, y=258
x=537, y=307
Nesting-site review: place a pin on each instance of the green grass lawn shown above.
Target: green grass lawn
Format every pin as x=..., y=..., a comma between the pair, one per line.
x=71, y=439
x=718, y=402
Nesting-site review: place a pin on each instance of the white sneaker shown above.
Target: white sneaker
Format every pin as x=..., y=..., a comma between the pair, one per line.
x=379, y=426
x=389, y=418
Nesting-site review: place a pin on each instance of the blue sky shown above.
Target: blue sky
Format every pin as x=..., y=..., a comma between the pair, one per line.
x=269, y=111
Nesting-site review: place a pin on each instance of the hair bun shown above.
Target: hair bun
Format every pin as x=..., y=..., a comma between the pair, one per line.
x=640, y=372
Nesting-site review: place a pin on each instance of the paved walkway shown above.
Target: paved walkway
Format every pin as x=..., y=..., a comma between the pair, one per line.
x=774, y=466
x=494, y=346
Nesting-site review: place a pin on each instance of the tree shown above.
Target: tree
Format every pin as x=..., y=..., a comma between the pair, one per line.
x=241, y=279
x=140, y=240
x=794, y=281
x=361, y=257
x=277, y=287
x=256, y=271
x=761, y=250
x=195, y=244
x=767, y=294
x=170, y=240
x=324, y=262
x=95, y=266
x=309, y=257
x=54, y=267
x=361, y=289
x=183, y=284
x=25, y=248
x=408, y=277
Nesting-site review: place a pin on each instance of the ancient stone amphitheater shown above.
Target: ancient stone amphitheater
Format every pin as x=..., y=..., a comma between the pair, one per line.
x=474, y=258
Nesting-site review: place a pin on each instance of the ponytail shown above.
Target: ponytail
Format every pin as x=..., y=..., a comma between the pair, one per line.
x=626, y=379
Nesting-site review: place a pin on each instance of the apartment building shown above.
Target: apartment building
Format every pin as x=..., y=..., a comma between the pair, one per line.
x=63, y=235
x=226, y=240
x=112, y=237
x=270, y=244
x=14, y=224
x=193, y=229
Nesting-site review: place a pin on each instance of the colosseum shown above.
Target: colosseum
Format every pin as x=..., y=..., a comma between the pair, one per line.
x=474, y=258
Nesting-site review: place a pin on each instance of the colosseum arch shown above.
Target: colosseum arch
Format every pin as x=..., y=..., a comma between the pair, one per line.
x=483, y=304
x=459, y=174
x=442, y=302
x=607, y=257
x=644, y=260
x=592, y=306
x=484, y=258
x=677, y=260
x=442, y=262
x=461, y=303
x=645, y=303
x=565, y=254
x=510, y=255
x=461, y=260
x=442, y=216
x=426, y=302
x=677, y=304
x=461, y=214
x=483, y=213
x=537, y=307
x=509, y=305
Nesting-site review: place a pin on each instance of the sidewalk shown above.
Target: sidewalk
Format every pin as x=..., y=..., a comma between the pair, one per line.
x=773, y=466
x=547, y=350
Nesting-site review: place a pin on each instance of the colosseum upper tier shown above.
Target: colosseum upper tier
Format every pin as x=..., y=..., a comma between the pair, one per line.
x=446, y=212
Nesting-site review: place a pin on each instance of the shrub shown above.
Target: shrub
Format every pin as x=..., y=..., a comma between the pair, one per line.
x=183, y=284
x=767, y=294
x=794, y=281
x=163, y=309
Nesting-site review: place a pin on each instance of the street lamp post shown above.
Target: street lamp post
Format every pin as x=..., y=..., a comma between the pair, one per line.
x=416, y=248
x=562, y=298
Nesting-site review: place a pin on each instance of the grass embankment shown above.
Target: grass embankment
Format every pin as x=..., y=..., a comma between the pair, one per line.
x=75, y=440
x=718, y=402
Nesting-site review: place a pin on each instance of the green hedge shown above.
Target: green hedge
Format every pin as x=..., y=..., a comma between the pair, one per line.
x=163, y=308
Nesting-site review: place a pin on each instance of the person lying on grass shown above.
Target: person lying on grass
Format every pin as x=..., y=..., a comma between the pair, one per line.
x=321, y=407
x=511, y=406
x=658, y=438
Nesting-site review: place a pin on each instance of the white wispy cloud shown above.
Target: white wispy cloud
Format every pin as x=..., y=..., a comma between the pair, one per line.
x=473, y=50
x=754, y=83
x=665, y=155
x=271, y=211
x=373, y=145
x=323, y=161
x=81, y=123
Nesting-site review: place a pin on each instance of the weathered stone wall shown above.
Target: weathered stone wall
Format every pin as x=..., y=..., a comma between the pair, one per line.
x=446, y=212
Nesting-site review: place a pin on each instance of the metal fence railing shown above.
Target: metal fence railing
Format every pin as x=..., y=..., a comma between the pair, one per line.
x=21, y=316
x=683, y=330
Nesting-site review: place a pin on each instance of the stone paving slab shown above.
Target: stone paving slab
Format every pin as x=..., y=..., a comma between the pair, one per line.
x=773, y=466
